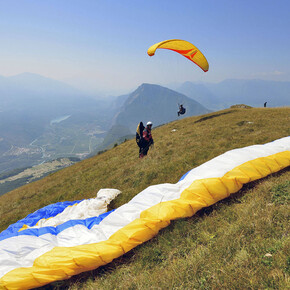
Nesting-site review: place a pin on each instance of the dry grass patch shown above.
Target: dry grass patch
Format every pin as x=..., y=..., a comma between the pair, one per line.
x=179, y=146
x=221, y=247
x=224, y=246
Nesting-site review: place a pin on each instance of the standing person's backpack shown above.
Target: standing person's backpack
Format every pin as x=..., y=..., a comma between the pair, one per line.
x=139, y=134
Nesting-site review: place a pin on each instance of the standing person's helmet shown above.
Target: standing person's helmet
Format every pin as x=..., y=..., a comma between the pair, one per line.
x=149, y=123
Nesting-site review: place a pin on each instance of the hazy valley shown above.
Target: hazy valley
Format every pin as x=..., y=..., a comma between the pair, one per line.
x=43, y=119
x=228, y=238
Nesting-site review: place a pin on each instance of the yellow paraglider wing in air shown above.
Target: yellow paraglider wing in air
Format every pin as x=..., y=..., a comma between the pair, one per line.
x=183, y=47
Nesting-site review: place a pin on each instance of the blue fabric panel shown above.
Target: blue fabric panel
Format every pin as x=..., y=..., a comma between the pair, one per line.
x=184, y=175
x=89, y=223
x=43, y=213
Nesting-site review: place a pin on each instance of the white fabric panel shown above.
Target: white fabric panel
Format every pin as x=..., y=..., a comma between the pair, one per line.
x=83, y=210
x=22, y=250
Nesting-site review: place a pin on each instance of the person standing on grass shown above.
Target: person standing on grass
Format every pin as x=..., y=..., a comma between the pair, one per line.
x=147, y=140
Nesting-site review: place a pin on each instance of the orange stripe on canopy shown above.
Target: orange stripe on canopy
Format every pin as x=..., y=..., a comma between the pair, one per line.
x=184, y=48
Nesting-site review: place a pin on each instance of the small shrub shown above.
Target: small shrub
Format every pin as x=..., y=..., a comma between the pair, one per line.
x=156, y=256
x=243, y=106
x=241, y=123
x=266, y=261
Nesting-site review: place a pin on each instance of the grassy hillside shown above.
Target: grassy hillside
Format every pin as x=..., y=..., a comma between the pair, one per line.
x=224, y=246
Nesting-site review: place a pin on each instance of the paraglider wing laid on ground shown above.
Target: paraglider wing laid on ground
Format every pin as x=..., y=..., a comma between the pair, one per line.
x=139, y=133
x=183, y=47
x=35, y=257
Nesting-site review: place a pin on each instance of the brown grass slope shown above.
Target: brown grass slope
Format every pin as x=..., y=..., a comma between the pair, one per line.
x=223, y=247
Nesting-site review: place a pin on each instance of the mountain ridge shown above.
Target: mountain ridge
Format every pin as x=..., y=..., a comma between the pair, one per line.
x=28, y=109
x=155, y=103
x=29, y=104
x=148, y=102
x=229, y=92
x=237, y=228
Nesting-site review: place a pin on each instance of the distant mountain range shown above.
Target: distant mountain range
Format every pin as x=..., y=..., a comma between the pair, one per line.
x=149, y=103
x=156, y=104
x=230, y=92
x=43, y=119
x=33, y=95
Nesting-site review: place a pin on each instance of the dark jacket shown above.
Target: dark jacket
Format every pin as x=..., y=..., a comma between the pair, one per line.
x=147, y=137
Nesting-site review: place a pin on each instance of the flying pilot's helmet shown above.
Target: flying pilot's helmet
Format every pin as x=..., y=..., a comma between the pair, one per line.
x=149, y=123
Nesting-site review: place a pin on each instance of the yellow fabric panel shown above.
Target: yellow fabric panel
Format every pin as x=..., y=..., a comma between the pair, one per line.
x=167, y=209
x=137, y=232
x=183, y=47
x=282, y=159
x=60, y=263
x=171, y=44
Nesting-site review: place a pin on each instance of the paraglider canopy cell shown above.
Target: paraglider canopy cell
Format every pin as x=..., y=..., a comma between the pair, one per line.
x=184, y=48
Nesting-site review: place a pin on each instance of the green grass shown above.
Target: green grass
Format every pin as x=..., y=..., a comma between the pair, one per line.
x=223, y=246
x=281, y=193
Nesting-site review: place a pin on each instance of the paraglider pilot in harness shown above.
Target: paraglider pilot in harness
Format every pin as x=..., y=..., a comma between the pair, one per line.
x=181, y=110
x=144, y=138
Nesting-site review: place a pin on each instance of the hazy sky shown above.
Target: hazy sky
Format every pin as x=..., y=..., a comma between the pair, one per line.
x=102, y=45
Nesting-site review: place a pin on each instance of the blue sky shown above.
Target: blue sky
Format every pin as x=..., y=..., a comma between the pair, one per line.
x=102, y=45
